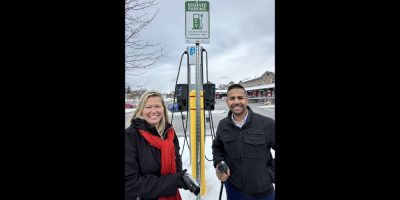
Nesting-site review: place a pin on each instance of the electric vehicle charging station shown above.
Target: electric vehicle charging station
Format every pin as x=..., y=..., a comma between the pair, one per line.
x=197, y=24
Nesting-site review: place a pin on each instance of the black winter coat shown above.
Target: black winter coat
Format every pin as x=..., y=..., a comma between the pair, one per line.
x=143, y=165
x=247, y=152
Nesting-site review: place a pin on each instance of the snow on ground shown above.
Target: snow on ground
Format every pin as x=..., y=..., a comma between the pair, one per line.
x=213, y=185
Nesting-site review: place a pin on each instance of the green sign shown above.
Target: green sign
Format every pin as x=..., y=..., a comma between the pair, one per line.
x=197, y=20
x=197, y=6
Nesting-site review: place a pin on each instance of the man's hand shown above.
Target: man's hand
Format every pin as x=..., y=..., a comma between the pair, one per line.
x=221, y=175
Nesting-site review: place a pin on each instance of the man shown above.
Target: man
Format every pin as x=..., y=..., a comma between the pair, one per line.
x=243, y=141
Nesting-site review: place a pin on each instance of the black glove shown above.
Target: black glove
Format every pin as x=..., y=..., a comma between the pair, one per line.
x=181, y=183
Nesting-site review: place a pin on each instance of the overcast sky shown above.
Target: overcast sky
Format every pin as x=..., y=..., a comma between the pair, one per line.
x=242, y=43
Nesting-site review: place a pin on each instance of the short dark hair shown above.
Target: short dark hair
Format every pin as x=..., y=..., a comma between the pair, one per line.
x=233, y=86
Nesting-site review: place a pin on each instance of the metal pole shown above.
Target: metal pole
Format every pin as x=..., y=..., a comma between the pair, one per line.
x=198, y=124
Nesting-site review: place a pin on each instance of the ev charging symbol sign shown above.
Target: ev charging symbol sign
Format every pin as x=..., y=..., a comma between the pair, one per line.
x=197, y=22
x=192, y=55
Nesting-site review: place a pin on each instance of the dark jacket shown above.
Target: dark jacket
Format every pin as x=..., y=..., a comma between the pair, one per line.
x=247, y=152
x=143, y=165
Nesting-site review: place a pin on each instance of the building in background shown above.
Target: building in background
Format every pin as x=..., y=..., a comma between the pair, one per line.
x=260, y=87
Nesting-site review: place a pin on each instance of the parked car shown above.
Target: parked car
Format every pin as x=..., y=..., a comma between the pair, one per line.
x=173, y=107
x=130, y=105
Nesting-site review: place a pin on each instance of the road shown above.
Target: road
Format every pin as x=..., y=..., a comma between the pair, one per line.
x=220, y=111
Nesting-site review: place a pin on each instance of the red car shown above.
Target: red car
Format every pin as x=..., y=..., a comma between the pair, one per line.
x=129, y=105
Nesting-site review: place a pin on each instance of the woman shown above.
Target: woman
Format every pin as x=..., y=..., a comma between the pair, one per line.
x=153, y=166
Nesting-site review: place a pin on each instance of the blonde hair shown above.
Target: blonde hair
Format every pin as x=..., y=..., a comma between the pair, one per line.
x=142, y=101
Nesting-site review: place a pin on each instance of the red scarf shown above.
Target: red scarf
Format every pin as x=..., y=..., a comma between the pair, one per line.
x=167, y=148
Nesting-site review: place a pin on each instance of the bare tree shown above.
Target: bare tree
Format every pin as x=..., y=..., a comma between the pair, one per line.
x=139, y=54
